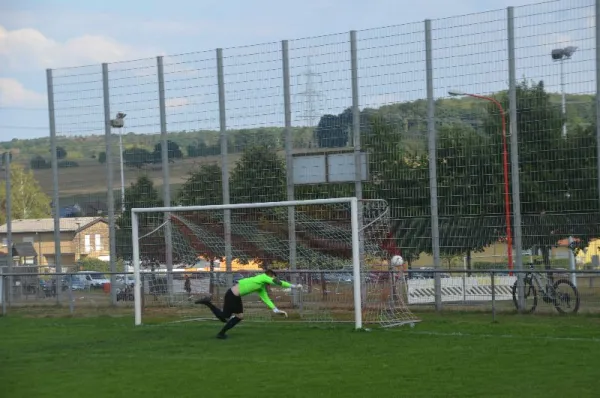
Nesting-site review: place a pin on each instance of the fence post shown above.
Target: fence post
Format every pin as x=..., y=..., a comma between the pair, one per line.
x=572, y=261
x=358, y=188
x=3, y=293
x=597, y=18
x=164, y=149
x=514, y=155
x=289, y=161
x=143, y=294
x=493, y=296
x=55, y=187
x=109, y=182
x=8, y=204
x=224, y=165
x=432, y=149
x=70, y=285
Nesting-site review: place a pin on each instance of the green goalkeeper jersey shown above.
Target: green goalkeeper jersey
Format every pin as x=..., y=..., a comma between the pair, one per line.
x=257, y=284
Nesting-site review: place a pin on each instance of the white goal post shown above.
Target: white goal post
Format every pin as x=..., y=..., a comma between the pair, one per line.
x=325, y=235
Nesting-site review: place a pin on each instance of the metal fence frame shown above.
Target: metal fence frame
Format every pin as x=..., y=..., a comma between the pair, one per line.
x=8, y=305
x=355, y=78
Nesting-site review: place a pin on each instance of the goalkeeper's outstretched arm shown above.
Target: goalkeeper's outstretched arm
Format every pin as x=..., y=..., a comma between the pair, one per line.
x=271, y=278
x=264, y=296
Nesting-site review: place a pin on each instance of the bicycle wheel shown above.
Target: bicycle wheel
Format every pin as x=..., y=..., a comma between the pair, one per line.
x=529, y=293
x=566, y=296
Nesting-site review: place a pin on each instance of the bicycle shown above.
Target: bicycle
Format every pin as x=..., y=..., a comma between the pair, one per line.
x=535, y=282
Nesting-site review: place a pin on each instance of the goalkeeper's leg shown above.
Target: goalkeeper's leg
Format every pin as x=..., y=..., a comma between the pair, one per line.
x=232, y=305
x=235, y=319
x=217, y=312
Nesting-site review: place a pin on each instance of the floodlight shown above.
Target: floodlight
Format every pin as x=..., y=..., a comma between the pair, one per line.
x=559, y=54
x=568, y=51
x=118, y=121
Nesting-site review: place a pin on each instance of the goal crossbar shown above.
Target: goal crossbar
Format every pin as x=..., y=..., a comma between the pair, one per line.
x=355, y=230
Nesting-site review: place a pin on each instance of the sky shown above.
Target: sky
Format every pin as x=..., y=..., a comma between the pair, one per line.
x=469, y=54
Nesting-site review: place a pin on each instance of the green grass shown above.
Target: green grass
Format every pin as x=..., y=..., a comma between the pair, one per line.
x=458, y=355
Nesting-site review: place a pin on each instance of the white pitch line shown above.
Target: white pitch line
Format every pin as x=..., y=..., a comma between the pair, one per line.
x=505, y=336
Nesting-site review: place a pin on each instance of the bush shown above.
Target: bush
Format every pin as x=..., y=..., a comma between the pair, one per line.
x=63, y=164
x=93, y=264
x=39, y=163
x=554, y=263
x=489, y=265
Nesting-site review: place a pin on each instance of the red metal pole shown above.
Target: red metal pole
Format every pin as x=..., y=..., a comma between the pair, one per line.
x=506, y=182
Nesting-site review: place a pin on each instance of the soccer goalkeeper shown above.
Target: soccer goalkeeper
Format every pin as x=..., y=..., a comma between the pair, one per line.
x=232, y=302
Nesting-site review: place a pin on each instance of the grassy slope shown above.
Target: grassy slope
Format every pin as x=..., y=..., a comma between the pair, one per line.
x=89, y=180
x=459, y=355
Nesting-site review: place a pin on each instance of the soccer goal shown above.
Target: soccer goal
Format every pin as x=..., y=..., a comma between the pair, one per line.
x=335, y=248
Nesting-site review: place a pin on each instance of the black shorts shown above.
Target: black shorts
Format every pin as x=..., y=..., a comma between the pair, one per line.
x=232, y=304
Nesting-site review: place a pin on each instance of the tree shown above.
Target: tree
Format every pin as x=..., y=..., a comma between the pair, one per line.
x=259, y=176
x=102, y=157
x=136, y=157
x=556, y=172
x=196, y=150
x=470, y=190
x=39, y=163
x=263, y=137
x=3, y=160
x=61, y=153
x=27, y=198
x=401, y=177
x=400, y=169
x=203, y=187
x=174, y=152
x=201, y=149
x=334, y=131
x=140, y=194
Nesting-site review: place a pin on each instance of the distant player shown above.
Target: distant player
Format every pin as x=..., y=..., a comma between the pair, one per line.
x=232, y=302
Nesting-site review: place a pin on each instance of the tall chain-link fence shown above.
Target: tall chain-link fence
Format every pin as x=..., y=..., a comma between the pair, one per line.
x=480, y=132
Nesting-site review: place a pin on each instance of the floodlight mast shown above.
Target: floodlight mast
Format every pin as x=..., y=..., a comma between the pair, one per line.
x=561, y=55
x=119, y=122
x=509, y=242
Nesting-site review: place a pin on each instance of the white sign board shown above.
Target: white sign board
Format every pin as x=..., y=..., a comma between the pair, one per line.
x=470, y=288
x=309, y=169
x=328, y=168
x=341, y=167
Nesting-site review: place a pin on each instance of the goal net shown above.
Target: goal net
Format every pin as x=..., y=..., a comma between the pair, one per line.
x=335, y=248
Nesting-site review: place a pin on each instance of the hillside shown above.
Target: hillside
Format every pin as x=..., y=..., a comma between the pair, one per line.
x=89, y=177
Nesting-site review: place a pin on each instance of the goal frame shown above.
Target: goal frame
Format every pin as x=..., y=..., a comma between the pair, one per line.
x=355, y=230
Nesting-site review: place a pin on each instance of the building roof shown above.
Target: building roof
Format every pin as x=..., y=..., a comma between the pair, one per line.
x=24, y=249
x=47, y=224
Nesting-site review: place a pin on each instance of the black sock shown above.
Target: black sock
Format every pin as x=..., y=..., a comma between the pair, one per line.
x=232, y=322
x=218, y=313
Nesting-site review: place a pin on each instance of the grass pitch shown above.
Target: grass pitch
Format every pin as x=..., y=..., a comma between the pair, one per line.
x=455, y=355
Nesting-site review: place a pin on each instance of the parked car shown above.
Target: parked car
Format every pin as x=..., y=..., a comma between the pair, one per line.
x=77, y=282
x=426, y=273
x=94, y=278
x=125, y=279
